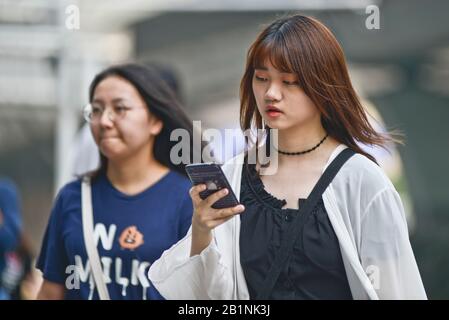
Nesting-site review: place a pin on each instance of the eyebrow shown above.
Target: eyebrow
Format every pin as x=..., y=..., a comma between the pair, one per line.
x=113, y=100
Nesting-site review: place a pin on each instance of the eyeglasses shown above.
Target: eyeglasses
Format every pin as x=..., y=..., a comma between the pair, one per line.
x=93, y=113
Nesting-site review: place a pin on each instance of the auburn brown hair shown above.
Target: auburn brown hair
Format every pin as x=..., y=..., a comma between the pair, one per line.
x=304, y=46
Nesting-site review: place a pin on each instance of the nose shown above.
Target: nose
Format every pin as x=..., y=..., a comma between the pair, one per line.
x=107, y=118
x=273, y=92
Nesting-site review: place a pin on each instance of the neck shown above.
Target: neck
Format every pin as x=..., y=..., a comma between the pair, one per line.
x=300, y=138
x=134, y=174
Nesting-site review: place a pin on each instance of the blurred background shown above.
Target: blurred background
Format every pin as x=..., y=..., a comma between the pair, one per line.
x=51, y=49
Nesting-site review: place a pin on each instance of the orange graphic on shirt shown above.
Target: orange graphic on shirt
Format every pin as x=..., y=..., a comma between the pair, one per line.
x=131, y=238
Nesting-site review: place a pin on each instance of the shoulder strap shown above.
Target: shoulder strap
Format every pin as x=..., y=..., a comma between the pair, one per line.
x=88, y=232
x=290, y=238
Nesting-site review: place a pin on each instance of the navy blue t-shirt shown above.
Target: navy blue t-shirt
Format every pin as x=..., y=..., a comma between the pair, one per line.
x=10, y=224
x=131, y=233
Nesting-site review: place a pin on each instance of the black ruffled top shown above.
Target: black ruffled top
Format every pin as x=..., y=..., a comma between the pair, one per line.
x=315, y=269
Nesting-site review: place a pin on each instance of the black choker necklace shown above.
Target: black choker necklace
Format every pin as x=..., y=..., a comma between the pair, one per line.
x=302, y=152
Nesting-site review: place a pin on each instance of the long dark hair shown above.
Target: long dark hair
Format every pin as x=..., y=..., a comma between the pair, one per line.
x=161, y=101
x=304, y=46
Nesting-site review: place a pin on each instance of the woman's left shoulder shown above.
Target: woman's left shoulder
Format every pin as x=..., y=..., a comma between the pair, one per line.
x=365, y=173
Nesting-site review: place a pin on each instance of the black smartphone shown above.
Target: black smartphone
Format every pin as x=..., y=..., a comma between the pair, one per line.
x=213, y=177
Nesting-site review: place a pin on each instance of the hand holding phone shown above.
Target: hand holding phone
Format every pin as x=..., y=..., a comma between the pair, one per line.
x=211, y=175
x=214, y=203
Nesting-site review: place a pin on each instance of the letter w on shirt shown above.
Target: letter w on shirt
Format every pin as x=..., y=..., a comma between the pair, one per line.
x=107, y=238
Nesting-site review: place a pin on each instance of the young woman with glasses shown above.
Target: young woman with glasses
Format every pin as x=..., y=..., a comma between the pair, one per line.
x=140, y=200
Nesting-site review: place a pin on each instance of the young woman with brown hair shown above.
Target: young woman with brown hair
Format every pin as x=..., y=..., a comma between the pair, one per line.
x=328, y=224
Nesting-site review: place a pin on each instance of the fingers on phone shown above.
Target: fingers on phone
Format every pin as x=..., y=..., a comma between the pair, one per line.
x=195, y=193
x=214, y=197
x=239, y=208
x=229, y=212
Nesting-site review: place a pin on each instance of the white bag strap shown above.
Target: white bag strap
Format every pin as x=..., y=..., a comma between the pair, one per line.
x=88, y=232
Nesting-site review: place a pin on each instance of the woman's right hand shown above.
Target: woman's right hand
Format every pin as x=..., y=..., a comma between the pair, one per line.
x=205, y=218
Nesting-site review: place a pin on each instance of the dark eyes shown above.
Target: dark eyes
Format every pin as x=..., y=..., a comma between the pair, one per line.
x=291, y=83
x=288, y=83
x=97, y=109
x=260, y=79
x=119, y=109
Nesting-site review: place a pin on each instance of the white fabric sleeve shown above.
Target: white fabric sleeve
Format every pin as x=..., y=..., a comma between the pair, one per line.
x=386, y=253
x=177, y=276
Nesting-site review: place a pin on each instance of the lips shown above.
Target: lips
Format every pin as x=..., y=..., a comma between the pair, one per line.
x=273, y=112
x=108, y=138
x=272, y=109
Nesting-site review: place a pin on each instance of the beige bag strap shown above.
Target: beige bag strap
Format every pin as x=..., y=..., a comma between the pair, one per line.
x=88, y=232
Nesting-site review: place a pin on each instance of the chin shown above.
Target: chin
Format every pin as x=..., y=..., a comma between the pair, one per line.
x=275, y=124
x=111, y=153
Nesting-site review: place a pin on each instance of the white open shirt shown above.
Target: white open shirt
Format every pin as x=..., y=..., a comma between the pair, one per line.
x=368, y=218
